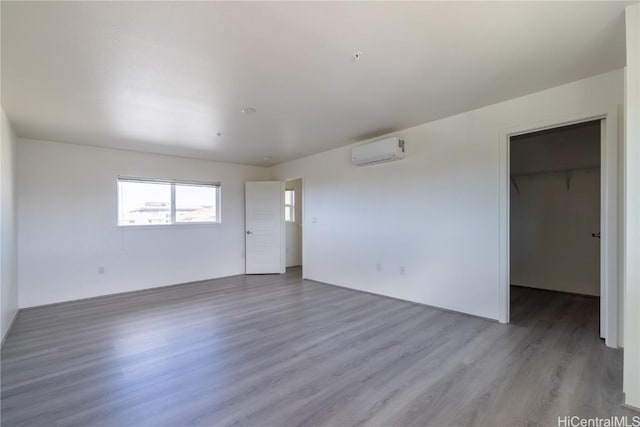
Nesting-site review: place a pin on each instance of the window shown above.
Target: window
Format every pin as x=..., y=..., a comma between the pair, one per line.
x=196, y=203
x=144, y=203
x=289, y=205
x=155, y=202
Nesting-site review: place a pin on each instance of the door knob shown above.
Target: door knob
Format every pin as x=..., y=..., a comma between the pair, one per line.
x=249, y=232
x=596, y=235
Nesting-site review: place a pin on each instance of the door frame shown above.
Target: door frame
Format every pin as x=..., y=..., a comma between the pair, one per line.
x=302, y=215
x=609, y=219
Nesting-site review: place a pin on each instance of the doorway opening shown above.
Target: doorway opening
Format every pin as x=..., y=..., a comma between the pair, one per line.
x=555, y=207
x=293, y=196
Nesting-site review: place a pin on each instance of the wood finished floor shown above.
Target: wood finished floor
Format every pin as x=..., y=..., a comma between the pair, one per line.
x=279, y=351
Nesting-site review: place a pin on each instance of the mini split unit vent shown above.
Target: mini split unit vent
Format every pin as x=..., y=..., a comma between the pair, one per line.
x=386, y=150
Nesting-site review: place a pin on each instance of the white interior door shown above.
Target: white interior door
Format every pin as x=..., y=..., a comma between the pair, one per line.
x=264, y=232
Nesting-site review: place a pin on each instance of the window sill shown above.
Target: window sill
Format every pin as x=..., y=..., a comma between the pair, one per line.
x=169, y=226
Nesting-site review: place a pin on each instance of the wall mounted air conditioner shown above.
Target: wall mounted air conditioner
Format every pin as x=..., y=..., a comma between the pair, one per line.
x=386, y=150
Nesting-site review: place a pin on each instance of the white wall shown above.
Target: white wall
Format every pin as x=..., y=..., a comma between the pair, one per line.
x=8, y=228
x=434, y=213
x=632, y=209
x=551, y=244
x=294, y=229
x=67, y=213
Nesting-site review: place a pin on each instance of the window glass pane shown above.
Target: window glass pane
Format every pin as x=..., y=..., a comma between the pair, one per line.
x=196, y=203
x=144, y=203
x=288, y=197
x=288, y=213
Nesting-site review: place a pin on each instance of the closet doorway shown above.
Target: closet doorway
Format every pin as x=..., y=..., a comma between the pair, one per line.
x=293, y=198
x=555, y=219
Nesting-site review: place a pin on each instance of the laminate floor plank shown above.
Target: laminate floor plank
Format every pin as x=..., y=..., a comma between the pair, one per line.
x=276, y=350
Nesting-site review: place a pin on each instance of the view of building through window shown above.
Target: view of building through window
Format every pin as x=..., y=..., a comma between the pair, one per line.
x=195, y=203
x=144, y=203
x=153, y=203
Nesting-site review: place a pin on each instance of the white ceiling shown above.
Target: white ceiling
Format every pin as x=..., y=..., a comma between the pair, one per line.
x=166, y=77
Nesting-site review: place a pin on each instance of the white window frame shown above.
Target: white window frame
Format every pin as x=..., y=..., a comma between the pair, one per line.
x=172, y=182
x=292, y=205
